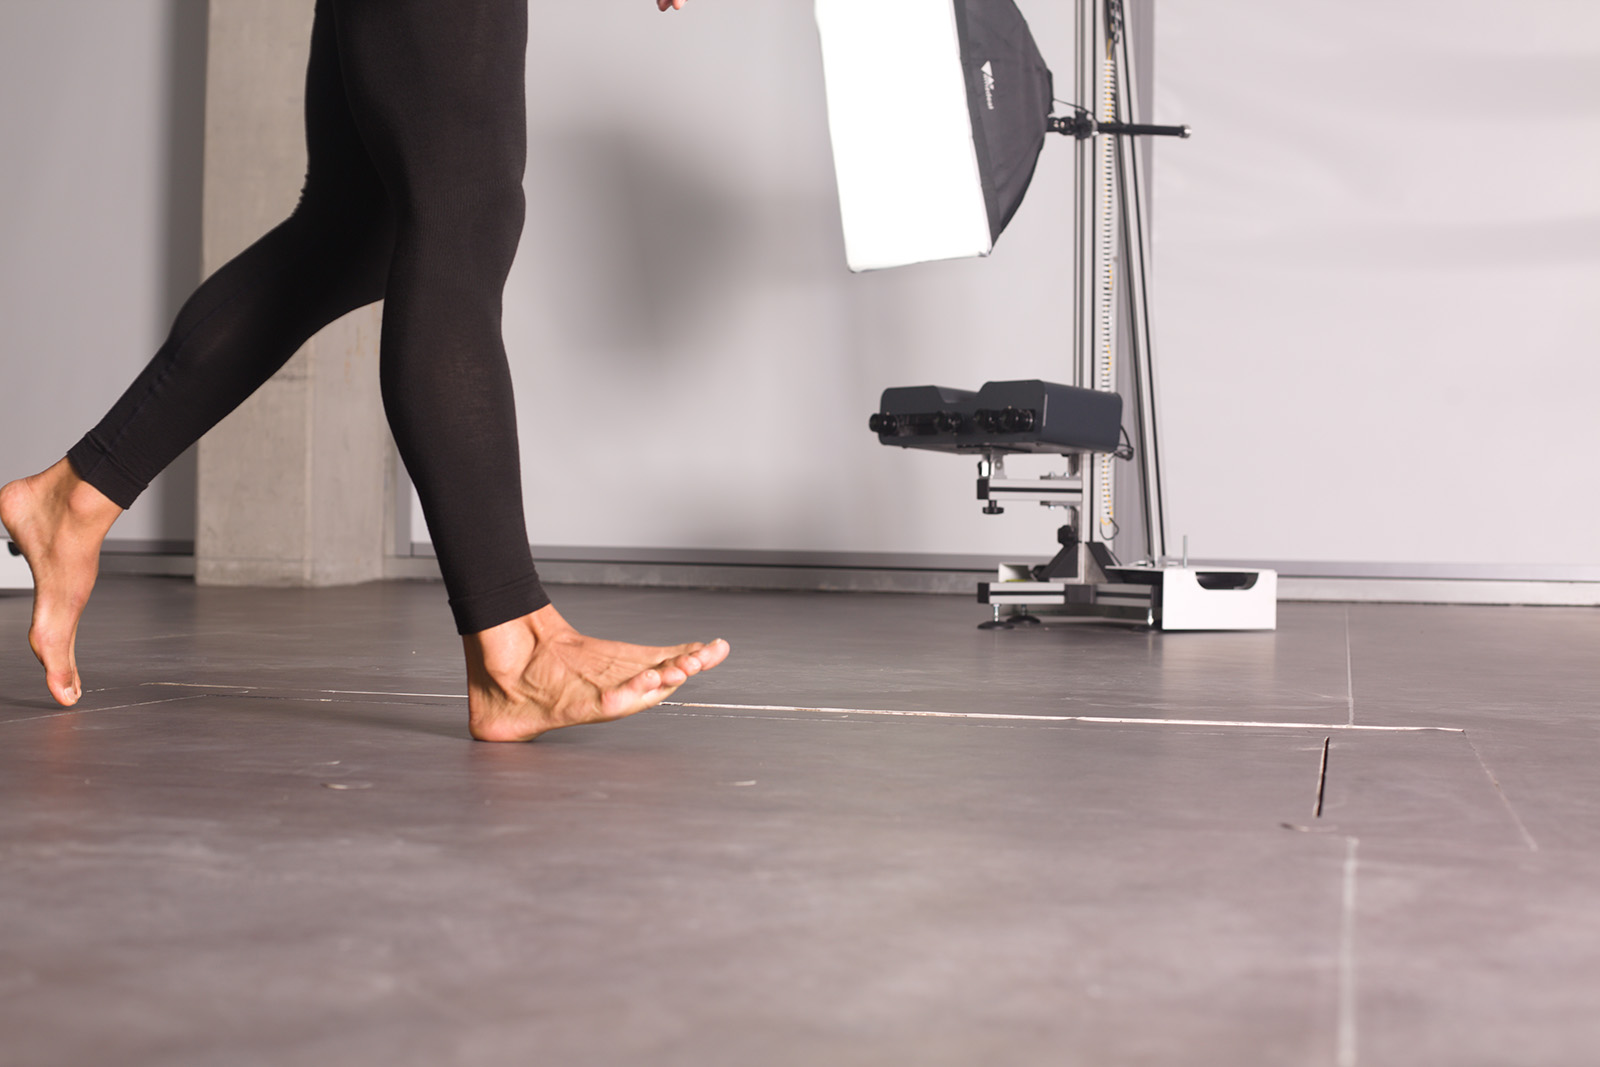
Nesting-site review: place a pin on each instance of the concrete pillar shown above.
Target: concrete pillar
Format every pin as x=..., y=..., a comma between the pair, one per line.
x=292, y=486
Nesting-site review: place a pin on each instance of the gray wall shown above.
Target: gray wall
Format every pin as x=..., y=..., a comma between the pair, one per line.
x=1378, y=281
x=100, y=226
x=1375, y=309
x=694, y=366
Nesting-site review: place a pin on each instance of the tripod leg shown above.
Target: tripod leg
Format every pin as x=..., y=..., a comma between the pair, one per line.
x=997, y=623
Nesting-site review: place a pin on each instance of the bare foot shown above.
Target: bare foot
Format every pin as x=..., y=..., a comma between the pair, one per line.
x=59, y=521
x=537, y=673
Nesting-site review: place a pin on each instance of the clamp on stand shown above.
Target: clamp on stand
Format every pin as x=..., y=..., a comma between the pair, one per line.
x=1083, y=125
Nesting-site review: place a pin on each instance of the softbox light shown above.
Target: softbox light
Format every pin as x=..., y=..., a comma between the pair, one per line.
x=938, y=110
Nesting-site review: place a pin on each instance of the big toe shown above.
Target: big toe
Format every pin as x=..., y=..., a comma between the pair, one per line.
x=65, y=686
x=641, y=691
x=60, y=666
x=711, y=654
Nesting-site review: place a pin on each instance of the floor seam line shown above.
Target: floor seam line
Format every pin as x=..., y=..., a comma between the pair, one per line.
x=1096, y=719
x=91, y=711
x=1108, y=720
x=1347, y=1047
x=329, y=692
x=1527, y=838
x=1349, y=669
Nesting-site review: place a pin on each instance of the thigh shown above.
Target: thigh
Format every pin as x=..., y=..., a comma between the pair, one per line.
x=436, y=91
x=342, y=182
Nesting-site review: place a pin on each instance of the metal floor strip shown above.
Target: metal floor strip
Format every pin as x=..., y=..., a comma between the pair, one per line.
x=1101, y=719
x=1232, y=724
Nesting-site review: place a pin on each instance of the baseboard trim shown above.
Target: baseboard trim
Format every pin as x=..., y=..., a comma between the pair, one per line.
x=743, y=557
x=151, y=566
x=732, y=576
x=138, y=546
x=1466, y=572
x=945, y=574
x=1440, y=591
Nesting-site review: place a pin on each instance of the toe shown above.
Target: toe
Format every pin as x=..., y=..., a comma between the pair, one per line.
x=66, y=688
x=642, y=684
x=702, y=658
x=637, y=693
x=60, y=666
x=713, y=654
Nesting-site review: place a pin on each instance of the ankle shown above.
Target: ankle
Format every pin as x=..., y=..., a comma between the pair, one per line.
x=497, y=657
x=60, y=491
x=500, y=655
x=85, y=504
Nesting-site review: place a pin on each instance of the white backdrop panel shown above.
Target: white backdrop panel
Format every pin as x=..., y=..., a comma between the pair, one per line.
x=1377, y=286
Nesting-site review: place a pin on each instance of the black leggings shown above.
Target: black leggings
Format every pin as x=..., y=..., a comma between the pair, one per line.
x=416, y=139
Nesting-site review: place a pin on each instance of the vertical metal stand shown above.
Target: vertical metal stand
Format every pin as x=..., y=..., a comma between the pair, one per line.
x=1111, y=243
x=1111, y=308
x=1135, y=251
x=1094, y=236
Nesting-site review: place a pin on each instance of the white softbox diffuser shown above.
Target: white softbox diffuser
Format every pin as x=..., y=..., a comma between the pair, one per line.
x=937, y=110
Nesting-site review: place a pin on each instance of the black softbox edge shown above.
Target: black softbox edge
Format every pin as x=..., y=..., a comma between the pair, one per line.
x=1000, y=214
x=975, y=100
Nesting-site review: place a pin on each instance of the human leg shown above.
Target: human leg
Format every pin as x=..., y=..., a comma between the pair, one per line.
x=437, y=91
x=245, y=321
x=58, y=521
x=238, y=328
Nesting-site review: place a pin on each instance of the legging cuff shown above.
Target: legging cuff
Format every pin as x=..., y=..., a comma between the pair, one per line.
x=95, y=466
x=480, y=611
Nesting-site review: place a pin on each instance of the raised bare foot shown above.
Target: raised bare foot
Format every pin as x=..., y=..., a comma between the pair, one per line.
x=59, y=521
x=537, y=673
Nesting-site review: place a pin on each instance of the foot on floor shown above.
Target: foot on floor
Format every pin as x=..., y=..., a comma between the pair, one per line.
x=536, y=674
x=59, y=522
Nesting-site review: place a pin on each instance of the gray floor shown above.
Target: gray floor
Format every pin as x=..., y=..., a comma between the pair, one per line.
x=265, y=839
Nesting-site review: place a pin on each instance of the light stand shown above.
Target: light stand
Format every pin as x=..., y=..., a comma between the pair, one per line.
x=1111, y=257
x=938, y=110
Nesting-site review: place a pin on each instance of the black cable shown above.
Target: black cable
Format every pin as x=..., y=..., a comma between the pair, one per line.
x=1125, y=449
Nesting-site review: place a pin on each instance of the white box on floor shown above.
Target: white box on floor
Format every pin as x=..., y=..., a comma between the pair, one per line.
x=1218, y=598
x=14, y=573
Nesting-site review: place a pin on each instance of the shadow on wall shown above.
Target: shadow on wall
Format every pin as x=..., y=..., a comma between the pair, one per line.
x=633, y=247
x=187, y=25
x=638, y=252
x=185, y=149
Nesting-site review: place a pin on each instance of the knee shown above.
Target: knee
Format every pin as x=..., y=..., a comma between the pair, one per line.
x=477, y=214
x=350, y=224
